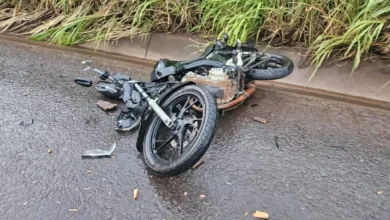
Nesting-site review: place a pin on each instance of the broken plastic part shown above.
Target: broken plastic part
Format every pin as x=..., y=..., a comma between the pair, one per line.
x=99, y=153
x=86, y=62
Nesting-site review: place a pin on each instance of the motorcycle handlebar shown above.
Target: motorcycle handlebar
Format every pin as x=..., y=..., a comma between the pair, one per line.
x=226, y=52
x=234, y=52
x=98, y=71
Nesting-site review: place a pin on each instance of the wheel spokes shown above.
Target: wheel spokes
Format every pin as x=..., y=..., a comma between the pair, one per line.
x=197, y=119
x=188, y=104
x=180, y=139
x=166, y=142
x=191, y=105
x=183, y=109
x=173, y=154
x=196, y=129
x=183, y=134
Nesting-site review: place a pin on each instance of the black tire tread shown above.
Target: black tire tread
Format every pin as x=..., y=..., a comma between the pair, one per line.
x=204, y=140
x=272, y=74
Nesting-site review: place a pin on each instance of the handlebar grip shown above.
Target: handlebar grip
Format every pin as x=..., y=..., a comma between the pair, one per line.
x=98, y=71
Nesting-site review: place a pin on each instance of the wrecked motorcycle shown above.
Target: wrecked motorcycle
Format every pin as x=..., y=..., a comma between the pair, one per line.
x=178, y=109
x=173, y=136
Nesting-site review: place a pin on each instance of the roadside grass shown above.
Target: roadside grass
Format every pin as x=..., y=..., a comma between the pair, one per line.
x=344, y=29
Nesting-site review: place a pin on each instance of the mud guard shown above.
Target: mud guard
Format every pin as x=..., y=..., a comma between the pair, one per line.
x=146, y=116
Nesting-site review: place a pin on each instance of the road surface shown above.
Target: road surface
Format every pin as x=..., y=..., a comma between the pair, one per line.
x=333, y=158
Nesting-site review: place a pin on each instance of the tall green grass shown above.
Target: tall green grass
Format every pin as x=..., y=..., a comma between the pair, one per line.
x=340, y=28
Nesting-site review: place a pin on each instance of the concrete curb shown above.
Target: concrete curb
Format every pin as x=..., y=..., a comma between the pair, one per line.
x=336, y=82
x=324, y=94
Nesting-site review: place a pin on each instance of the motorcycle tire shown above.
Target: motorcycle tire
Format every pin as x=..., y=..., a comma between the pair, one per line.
x=197, y=145
x=284, y=67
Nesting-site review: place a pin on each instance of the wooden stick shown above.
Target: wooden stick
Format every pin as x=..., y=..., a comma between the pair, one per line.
x=259, y=214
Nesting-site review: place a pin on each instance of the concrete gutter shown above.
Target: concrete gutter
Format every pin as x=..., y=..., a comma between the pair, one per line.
x=368, y=85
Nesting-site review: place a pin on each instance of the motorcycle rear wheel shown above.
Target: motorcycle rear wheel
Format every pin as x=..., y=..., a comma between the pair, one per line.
x=277, y=67
x=171, y=151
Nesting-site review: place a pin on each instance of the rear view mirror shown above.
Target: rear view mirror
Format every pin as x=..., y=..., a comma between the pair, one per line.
x=225, y=37
x=238, y=44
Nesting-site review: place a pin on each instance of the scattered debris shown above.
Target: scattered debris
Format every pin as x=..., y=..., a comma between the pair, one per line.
x=277, y=142
x=380, y=192
x=89, y=171
x=260, y=120
x=86, y=62
x=202, y=196
x=254, y=105
x=185, y=193
x=25, y=203
x=135, y=194
x=246, y=214
x=26, y=124
x=261, y=215
x=83, y=82
x=73, y=210
x=99, y=153
x=49, y=151
x=228, y=183
x=86, y=189
x=105, y=105
x=198, y=163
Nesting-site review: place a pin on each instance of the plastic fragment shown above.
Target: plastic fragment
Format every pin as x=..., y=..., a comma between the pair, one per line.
x=135, y=194
x=105, y=105
x=260, y=120
x=98, y=153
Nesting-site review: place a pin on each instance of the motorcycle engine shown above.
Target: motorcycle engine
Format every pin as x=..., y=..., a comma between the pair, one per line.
x=219, y=78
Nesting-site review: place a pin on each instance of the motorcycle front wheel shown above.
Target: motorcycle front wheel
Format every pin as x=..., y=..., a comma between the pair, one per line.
x=171, y=151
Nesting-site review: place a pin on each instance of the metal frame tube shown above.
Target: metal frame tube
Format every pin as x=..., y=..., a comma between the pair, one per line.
x=156, y=108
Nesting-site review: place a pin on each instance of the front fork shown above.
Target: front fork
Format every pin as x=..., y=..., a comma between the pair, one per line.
x=156, y=108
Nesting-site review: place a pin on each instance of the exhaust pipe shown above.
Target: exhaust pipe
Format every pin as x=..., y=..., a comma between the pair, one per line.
x=250, y=89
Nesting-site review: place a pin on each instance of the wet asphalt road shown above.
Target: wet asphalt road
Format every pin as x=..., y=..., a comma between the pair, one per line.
x=333, y=158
